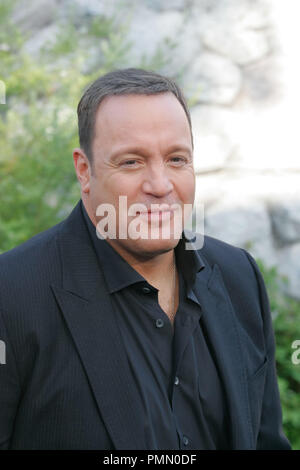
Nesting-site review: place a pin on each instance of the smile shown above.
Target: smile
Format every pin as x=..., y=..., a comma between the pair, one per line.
x=156, y=215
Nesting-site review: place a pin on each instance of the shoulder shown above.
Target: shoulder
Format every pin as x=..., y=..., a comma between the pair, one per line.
x=28, y=265
x=31, y=248
x=226, y=255
x=218, y=250
x=239, y=269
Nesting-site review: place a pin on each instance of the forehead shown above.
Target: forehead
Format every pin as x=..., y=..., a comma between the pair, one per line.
x=126, y=117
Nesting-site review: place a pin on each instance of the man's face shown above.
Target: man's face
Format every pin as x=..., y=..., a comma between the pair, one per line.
x=142, y=149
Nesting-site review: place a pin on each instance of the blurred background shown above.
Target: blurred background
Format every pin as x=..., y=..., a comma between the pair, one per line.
x=238, y=64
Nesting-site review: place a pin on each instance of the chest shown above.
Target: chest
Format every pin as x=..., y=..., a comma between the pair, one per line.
x=168, y=299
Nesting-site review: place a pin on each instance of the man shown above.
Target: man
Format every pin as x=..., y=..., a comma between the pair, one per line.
x=135, y=342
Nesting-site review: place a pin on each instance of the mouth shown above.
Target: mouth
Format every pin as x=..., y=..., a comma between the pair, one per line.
x=156, y=211
x=161, y=209
x=157, y=214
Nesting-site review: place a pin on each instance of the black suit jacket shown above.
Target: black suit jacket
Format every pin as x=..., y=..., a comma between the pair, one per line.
x=66, y=383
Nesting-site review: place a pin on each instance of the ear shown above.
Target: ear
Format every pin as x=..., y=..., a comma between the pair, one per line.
x=82, y=168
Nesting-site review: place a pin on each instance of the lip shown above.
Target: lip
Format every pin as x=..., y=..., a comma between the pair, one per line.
x=156, y=211
x=164, y=208
x=157, y=215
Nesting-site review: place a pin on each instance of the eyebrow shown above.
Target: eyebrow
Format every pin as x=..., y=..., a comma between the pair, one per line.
x=144, y=151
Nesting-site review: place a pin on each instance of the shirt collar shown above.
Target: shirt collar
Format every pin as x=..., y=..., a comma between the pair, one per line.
x=119, y=274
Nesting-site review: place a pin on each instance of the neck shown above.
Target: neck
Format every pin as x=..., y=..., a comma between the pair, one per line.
x=156, y=269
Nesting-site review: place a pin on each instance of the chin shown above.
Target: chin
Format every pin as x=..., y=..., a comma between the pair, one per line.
x=152, y=247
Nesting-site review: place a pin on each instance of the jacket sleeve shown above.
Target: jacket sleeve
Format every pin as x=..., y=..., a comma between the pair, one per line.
x=271, y=435
x=10, y=390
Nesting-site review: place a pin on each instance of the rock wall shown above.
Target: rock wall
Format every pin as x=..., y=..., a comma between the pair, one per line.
x=238, y=65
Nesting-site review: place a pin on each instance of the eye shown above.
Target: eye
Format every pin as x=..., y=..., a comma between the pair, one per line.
x=178, y=160
x=130, y=162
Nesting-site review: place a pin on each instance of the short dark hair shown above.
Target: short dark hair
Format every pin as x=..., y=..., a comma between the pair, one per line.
x=121, y=82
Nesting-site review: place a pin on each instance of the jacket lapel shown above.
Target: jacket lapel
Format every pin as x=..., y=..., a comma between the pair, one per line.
x=221, y=326
x=88, y=312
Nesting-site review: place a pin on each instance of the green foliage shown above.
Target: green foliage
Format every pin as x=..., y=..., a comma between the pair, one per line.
x=286, y=322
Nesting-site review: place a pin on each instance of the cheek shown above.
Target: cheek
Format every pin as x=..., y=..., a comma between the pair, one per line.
x=115, y=185
x=186, y=187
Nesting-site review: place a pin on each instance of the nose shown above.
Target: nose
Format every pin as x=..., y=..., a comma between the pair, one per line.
x=157, y=182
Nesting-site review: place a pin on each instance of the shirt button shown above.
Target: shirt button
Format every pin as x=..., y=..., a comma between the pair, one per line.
x=185, y=440
x=176, y=381
x=159, y=323
x=146, y=290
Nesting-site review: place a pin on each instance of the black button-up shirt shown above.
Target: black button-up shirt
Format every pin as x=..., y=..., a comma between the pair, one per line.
x=173, y=368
